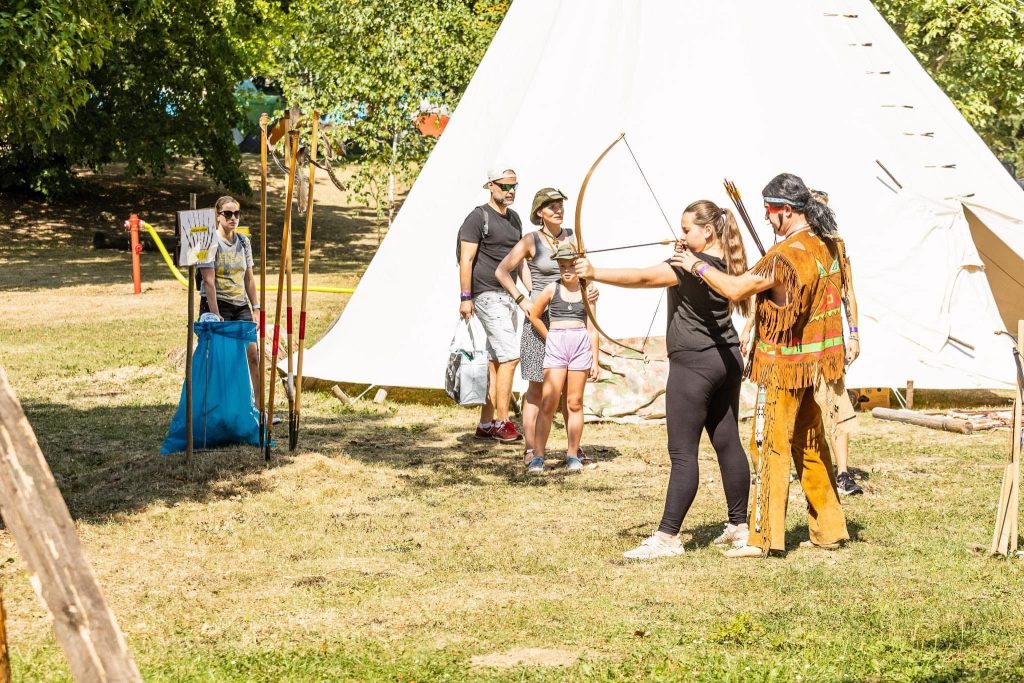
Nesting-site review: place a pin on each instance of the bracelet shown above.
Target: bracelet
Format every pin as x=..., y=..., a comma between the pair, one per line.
x=520, y=298
x=466, y=296
x=853, y=329
x=701, y=269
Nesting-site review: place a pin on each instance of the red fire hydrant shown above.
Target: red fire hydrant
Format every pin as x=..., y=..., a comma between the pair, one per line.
x=133, y=230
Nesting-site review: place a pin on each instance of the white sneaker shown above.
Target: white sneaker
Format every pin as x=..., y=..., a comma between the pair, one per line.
x=735, y=535
x=652, y=548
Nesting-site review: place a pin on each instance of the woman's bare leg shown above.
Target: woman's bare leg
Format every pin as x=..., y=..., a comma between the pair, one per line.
x=531, y=409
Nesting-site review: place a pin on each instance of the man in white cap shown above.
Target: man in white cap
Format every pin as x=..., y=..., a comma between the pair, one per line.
x=488, y=234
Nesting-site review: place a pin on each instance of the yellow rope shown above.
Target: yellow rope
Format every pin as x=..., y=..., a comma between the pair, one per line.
x=245, y=231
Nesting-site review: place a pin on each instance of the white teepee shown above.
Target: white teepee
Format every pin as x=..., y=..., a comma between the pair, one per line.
x=708, y=89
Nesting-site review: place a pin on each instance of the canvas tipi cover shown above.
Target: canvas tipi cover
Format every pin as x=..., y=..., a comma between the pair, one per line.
x=704, y=90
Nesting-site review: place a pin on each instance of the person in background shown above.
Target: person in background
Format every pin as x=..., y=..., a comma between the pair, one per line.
x=570, y=358
x=228, y=288
x=537, y=249
x=487, y=235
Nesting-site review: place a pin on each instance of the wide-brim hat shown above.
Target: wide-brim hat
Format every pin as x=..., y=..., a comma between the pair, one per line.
x=543, y=197
x=566, y=252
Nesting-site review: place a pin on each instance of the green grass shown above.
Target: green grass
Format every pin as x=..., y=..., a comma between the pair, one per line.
x=392, y=547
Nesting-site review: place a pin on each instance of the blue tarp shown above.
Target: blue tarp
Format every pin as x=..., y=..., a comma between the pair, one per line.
x=223, y=410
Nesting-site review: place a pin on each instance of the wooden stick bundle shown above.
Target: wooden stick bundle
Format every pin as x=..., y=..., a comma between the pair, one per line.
x=261, y=389
x=1004, y=538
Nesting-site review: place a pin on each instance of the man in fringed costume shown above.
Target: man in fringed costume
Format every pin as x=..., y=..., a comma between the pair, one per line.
x=799, y=338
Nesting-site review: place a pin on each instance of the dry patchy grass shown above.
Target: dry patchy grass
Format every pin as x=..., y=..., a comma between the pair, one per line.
x=391, y=546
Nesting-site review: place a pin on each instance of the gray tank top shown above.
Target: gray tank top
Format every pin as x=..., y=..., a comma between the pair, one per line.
x=543, y=268
x=560, y=309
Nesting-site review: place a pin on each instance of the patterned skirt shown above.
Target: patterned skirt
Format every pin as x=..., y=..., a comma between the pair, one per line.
x=531, y=352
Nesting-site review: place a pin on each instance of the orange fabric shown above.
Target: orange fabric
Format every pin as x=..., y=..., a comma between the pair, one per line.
x=793, y=431
x=803, y=337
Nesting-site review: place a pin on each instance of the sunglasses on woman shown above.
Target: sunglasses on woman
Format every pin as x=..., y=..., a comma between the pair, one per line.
x=228, y=215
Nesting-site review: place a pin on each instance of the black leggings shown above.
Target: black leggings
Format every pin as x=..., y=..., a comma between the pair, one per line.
x=704, y=392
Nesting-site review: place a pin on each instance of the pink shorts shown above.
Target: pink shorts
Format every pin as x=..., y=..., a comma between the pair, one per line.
x=568, y=348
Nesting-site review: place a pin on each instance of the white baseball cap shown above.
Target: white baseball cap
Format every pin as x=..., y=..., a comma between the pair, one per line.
x=497, y=173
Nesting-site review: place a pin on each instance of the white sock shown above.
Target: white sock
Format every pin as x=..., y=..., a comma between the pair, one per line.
x=486, y=425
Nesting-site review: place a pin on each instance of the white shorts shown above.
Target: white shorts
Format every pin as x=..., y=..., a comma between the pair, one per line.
x=497, y=313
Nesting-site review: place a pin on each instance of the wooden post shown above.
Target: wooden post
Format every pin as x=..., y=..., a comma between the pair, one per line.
x=262, y=346
x=910, y=394
x=189, y=347
x=35, y=513
x=1004, y=538
x=381, y=395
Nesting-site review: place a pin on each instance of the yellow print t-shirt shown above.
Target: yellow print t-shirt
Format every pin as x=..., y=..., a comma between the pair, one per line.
x=230, y=263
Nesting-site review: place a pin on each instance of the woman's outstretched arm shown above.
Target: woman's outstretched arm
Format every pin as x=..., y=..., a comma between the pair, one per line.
x=652, y=277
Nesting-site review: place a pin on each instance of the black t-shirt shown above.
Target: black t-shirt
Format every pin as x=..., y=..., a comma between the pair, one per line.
x=698, y=315
x=503, y=232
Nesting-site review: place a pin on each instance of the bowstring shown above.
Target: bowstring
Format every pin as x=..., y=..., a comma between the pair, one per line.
x=668, y=224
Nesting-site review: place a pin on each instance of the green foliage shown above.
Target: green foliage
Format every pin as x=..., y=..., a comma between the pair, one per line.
x=374, y=65
x=157, y=86
x=48, y=47
x=975, y=52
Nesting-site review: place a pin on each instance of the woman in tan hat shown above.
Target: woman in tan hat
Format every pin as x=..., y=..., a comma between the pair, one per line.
x=537, y=249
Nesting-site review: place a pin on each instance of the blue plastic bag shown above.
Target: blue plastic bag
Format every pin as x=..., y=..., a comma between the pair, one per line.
x=223, y=410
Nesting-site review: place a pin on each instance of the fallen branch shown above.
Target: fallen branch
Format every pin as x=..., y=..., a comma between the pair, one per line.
x=940, y=422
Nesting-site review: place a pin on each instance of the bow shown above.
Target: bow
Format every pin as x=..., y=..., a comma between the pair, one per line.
x=581, y=248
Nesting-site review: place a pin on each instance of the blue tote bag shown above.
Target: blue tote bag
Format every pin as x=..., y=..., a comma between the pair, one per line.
x=223, y=411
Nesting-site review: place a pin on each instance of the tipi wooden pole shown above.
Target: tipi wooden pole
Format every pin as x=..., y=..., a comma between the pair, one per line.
x=305, y=273
x=292, y=143
x=1004, y=538
x=35, y=513
x=189, y=347
x=261, y=389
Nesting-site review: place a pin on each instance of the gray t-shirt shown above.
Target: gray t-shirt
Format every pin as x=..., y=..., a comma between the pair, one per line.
x=230, y=262
x=503, y=232
x=543, y=268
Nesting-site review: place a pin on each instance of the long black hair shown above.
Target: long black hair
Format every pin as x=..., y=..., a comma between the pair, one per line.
x=790, y=190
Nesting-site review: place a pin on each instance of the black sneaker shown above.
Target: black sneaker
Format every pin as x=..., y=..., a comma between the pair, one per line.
x=847, y=486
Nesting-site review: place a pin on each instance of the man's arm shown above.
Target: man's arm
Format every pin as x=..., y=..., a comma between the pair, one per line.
x=850, y=304
x=735, y=288
x=468, y=252
x=210, y=287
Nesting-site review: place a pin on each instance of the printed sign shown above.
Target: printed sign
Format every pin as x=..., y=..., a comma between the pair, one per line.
x=196, y=230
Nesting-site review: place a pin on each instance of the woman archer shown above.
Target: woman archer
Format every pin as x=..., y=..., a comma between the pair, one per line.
x=705, y=372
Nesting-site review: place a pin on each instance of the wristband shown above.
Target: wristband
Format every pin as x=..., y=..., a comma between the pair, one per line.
x=466, y=296
x=701, y=269
x=520, y=298
x=853, y=329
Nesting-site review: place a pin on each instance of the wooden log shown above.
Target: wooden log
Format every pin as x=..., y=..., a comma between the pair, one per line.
x=381, y=395
x=35, y=513
x=342, y=396
x=946, y=424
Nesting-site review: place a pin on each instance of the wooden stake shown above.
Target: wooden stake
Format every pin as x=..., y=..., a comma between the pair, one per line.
x=1004, y=538
x=305, y=272
x=293, y=142
x=261, y=389
x=910, y=394
x=38, y=520
x=189, y=347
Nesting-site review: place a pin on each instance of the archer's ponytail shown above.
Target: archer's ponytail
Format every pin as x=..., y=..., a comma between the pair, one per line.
x=723, y=222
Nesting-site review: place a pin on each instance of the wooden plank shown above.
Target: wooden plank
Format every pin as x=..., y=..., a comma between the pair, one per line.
x=947, y=424
x=34, y=512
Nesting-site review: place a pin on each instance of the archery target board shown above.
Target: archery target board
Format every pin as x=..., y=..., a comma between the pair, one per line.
x=197, y=229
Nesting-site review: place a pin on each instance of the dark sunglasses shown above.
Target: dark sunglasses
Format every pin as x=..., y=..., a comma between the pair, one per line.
x=231, y=214
x=505, y=187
